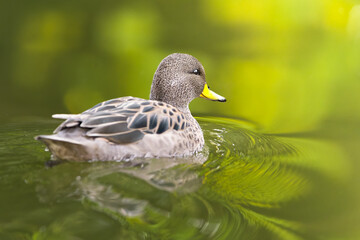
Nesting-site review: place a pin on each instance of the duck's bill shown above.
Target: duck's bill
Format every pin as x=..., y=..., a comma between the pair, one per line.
x=210, y=95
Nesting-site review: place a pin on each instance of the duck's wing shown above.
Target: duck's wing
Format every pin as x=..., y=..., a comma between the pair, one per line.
x=73, y=120
x=124, y=122
x=111, y=104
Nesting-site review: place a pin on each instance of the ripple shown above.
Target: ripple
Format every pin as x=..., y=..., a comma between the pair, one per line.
x=235, y=188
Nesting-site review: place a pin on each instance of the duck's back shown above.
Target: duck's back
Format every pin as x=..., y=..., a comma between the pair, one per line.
x=125, y=128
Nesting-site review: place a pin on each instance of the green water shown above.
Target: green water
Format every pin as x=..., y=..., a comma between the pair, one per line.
x=251, y=186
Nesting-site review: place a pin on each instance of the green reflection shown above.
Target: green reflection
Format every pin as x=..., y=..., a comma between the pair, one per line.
x=252, y=185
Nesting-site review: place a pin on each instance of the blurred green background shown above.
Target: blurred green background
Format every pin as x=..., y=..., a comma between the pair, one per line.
x=289, y=65
x=292, y=66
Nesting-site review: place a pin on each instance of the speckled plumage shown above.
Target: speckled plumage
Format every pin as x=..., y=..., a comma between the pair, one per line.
x=128, y=127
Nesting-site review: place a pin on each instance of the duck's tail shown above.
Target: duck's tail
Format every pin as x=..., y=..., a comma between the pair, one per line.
x=64, y=148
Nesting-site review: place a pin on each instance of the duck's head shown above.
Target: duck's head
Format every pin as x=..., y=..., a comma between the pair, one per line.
x=179, y=79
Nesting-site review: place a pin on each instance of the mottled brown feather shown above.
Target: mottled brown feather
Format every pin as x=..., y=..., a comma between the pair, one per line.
x=127, y=120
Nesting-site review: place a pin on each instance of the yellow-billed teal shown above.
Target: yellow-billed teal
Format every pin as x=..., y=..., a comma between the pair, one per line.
x=129, y=127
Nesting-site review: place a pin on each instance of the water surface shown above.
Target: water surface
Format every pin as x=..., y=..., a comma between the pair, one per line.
x=244, y=185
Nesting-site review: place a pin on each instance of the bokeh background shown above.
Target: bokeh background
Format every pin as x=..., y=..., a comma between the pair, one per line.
x=288, y=65
x=292, y=67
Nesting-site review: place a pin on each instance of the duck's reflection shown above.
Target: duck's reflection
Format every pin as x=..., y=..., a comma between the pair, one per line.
x=122, y=187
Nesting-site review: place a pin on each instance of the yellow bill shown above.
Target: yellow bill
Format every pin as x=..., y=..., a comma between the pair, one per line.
x=210, y=95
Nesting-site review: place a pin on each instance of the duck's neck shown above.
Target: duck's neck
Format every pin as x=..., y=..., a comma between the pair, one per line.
x=185, y=110
x=182, y=106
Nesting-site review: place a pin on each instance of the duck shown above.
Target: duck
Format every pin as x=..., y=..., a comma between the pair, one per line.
x=125, y=128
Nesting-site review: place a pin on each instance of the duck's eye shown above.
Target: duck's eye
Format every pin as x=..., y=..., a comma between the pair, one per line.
x=196, y=72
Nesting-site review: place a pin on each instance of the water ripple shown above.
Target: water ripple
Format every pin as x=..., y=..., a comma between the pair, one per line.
x=233, y=189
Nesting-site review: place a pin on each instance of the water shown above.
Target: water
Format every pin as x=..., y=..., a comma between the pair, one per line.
x=250, y=186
